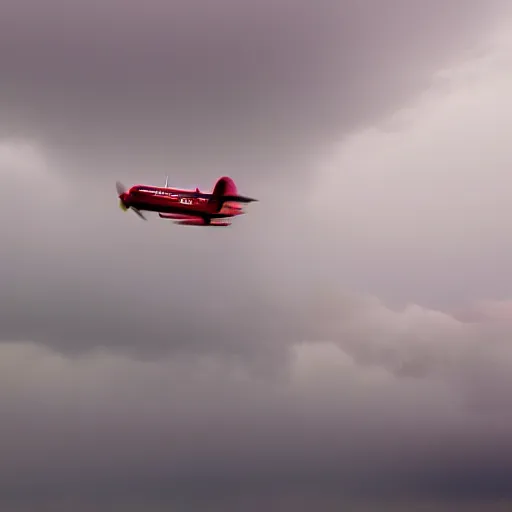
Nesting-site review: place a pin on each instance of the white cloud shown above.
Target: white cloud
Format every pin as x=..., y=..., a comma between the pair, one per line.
x=20, y=156
x=33, y=198
x=430, y=199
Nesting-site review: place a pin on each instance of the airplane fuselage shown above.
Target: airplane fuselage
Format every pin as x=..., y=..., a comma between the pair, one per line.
x=189, y=207
x=174, y=202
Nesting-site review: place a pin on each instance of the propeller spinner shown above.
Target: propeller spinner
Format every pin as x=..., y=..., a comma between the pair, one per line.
x=121, y=192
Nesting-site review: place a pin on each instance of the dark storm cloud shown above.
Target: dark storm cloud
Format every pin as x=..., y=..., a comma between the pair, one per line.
x=201, y=87
x=339, y=424
x=151, y=366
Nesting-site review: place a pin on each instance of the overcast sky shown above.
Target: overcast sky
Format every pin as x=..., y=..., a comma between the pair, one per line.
x=345, y=345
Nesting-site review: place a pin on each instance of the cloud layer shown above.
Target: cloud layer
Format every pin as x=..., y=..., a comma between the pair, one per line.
x=396, y=404
x=147, y=366
x=198, y=87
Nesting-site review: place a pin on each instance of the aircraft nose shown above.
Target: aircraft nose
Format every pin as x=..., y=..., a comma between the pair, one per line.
x=124, y=200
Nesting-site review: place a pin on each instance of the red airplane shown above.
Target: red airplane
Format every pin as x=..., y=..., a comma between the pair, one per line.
x=186, y=207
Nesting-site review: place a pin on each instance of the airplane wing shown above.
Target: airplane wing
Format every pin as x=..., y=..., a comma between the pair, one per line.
x=224, y=199
x=200, y=222
x=178, y=216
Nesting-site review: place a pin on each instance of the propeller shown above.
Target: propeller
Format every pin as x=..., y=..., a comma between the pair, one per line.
x=121, y=192
x=139, y=213
x=121, y=189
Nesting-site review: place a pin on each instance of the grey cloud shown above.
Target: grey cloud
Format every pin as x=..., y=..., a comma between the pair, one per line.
x=164, y=365
x=76, y=276
x=328, y=423
x=201, y=88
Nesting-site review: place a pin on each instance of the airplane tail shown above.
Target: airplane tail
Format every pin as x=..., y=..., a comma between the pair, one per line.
x=224, y=186
x=225, y=191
